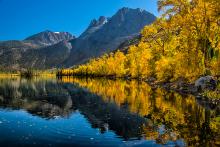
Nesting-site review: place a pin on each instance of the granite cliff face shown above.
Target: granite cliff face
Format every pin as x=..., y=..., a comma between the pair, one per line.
x=48, y=49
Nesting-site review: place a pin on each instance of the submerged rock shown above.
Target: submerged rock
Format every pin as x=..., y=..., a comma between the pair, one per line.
x=207, y=82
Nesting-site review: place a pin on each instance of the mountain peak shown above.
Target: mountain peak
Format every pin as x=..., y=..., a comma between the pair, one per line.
x=138, y=17
x=101, y=21
x=125, y=10
x=48, y=37
x=94, y=25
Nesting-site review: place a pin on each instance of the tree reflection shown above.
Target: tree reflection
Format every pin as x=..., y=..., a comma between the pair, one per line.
x=170, y=116
x=132, y=109
x=39, y=97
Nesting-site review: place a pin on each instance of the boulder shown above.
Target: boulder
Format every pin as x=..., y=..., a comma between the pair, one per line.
x=207, y=82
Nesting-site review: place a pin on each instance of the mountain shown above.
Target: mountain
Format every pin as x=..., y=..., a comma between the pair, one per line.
x=47, y=38
x=106, y=34
x=41, y=48
x=49, y=49
x=47, y=57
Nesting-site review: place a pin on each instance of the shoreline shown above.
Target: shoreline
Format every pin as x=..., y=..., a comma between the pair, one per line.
x=180, y=87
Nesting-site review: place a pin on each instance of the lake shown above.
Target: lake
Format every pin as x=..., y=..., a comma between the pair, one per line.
x=101, y=112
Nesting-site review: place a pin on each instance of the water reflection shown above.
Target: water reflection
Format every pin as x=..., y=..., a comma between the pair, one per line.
x=168, y=116
x=40, y=97
x=132, y=110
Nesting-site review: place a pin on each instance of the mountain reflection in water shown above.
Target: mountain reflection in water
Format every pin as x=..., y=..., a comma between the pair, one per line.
x=108, y=113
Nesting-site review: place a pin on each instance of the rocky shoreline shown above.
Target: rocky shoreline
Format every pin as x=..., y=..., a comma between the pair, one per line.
x=197, y=89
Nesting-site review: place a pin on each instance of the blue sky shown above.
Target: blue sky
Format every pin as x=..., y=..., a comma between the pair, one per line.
x=22, y=18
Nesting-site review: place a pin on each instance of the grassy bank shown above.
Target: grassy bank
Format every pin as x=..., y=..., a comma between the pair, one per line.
x=2, y=75
x=28, y=74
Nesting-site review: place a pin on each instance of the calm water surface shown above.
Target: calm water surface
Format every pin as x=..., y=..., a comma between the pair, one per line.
x=101, y=112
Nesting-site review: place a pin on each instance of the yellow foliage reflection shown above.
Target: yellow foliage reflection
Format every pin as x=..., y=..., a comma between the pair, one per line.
x=179, y=114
